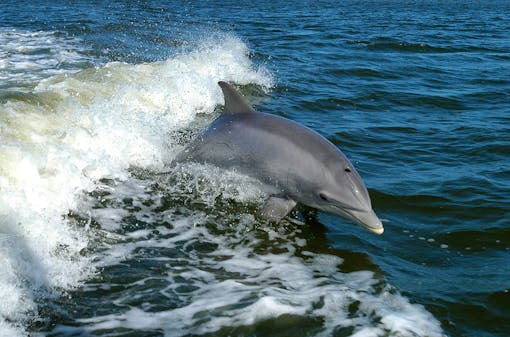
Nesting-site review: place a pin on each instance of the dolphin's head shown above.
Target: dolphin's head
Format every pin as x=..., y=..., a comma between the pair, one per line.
x=344, y=193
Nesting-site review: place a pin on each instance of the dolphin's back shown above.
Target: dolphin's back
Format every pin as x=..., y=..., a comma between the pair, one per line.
x=260, y=144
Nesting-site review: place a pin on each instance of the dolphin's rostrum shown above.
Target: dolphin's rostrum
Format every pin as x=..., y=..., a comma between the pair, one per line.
x=295, y=163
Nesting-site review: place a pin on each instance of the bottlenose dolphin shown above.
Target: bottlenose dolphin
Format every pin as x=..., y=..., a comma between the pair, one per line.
x=295, y=163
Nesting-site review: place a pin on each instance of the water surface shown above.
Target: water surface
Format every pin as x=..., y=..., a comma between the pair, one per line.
x=97, y=98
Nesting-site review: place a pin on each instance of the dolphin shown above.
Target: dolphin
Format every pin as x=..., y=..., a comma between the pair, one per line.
x=294, y=163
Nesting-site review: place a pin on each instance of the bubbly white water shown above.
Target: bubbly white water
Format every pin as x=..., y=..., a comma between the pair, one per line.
x=58, y=142
x=230, y=284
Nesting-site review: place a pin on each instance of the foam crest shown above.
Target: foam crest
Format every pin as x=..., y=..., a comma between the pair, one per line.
x=75, y=129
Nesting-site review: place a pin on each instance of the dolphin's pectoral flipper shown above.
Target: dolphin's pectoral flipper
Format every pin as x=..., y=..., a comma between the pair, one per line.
x=276, y=208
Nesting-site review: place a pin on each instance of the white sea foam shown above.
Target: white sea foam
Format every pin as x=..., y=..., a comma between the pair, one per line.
x=236, y=282
x=76, y=129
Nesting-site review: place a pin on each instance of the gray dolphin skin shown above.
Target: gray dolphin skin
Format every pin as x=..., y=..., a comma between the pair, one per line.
x=295, y=163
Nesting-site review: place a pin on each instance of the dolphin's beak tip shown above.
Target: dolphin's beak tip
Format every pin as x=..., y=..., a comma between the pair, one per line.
x=378, y=230
x=370, y=221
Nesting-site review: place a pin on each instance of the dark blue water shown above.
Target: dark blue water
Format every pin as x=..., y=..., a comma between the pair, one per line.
x=415, y=93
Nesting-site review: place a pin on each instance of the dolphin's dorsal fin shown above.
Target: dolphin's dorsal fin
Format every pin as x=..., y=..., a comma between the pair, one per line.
x=234, y=102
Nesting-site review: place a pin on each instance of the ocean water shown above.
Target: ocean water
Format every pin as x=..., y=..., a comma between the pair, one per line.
x=96, y=98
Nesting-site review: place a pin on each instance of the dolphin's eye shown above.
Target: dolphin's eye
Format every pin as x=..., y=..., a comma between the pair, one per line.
x=323, y=197
x=347, y=169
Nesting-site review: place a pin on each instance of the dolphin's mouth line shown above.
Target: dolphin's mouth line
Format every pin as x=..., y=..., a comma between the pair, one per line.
x=350, y=213
x=346, y=208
